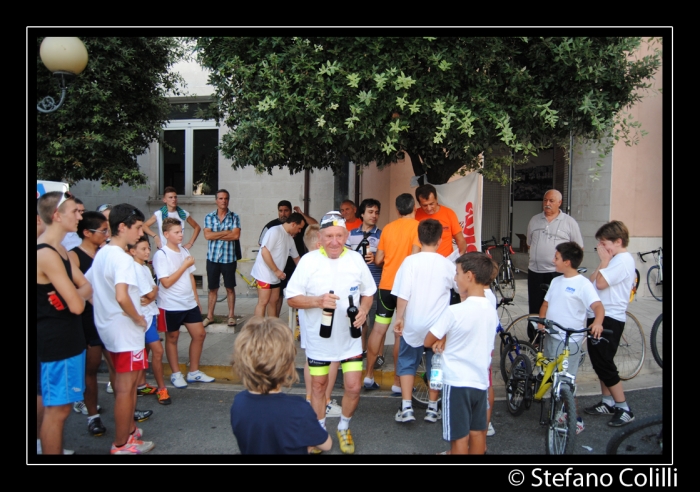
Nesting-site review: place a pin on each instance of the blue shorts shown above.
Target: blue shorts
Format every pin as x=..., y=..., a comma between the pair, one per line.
x=63, y=381
x=152, y=332
x=409, y=359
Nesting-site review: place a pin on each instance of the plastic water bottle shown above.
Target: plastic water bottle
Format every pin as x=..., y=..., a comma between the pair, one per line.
x=436, y=372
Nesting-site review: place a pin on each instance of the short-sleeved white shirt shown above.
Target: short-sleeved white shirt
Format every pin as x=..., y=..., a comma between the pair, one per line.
x=425, y=281
x=280, y=245
x=469, y=327
x=315, y=275
x=620, y=276
x=112, y=266
x=179, y=296
x=568, y=299
x=146, y=284
x=171, y=215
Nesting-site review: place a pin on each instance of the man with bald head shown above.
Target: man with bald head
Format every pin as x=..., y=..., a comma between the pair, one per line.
x=324, y=280
x=544, y=232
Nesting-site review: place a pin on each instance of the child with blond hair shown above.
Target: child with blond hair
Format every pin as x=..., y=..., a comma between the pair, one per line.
x=263, y=419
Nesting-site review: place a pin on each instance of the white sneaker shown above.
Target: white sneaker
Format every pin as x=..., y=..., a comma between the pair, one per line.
x=80, y=407
x=491, y=431
x=109, y=388
x=178, y=381
x=432, y=415
x=333, y=409
x=199, y=377
x=38, y=448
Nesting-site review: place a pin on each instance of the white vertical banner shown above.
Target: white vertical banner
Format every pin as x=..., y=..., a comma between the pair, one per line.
x=464, y=196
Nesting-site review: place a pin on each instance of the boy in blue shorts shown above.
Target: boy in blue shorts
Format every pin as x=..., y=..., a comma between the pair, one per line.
x=422, y=287
x=464, y=337
x=566, y=302
x=148, y=289
x=61, y=291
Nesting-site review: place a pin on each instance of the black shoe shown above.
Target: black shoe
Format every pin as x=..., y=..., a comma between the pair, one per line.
x=621, y=417
x=95, y=427
x=601, y=408
x=141, y=415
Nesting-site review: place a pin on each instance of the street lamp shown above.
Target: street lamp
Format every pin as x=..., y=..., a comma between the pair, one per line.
x=66, y=58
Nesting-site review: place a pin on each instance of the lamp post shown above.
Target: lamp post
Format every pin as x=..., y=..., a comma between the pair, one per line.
x=66, y=58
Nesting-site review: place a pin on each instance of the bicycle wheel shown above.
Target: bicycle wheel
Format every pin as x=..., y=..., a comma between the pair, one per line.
x=561, y=432
x=630, y=353
x=506, y=281
x=420, y=395
x=641, y=437
x=516, y=384
x=656, y=339
x=509, y=356
x=654, y=282
x=519, y=328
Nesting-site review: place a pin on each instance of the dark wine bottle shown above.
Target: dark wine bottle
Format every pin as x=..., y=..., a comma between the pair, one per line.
x=326, y=322
x=355, y=332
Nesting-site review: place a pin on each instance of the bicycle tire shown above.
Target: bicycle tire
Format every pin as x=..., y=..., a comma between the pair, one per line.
x=420, y=395
x=642, y=437
x=516, y=385
x=506, y=281
x=654, y=282
x=506, y=362
x=561, y=433
x=629, y=358
x=656, y=340
x=518, y=328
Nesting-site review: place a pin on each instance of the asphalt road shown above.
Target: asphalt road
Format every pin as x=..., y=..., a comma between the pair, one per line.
x=197, y=423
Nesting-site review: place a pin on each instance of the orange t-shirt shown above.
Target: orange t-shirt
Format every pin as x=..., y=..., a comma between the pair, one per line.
x=397, y=240
x=450, y=227
x=350, y=226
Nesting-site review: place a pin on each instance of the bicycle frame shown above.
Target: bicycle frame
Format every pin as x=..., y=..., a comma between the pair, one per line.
x=553, y=373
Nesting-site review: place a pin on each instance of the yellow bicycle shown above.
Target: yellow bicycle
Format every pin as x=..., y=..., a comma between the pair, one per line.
x=526, y=384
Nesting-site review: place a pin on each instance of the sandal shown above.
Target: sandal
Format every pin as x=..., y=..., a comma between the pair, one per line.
x=206, y=322
x=232, y=321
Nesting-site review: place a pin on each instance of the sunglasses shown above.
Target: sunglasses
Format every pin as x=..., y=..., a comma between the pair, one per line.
x=103, y=207
x=66, y=195
x=101, y=231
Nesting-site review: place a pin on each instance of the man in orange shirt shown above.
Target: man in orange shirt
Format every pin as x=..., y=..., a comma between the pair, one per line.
x=348, y=211
x=430, y=209
x=398, y=240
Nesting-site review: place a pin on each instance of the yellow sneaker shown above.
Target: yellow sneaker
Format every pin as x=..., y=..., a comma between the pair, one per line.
x=347, y=445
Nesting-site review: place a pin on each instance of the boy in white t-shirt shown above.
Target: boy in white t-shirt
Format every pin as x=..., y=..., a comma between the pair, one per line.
x=178, y=304
x=422, y=287
x=566, y=302
x=172, y=210
x=613, y=280
x=148, y=289
x=120, y=324
x=464, y=337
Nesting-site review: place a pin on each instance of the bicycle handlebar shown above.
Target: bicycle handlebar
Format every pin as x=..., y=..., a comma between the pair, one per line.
x=550, y=324
x=653, y=252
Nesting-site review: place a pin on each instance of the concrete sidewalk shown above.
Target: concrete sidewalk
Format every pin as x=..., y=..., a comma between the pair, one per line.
x=218, y=347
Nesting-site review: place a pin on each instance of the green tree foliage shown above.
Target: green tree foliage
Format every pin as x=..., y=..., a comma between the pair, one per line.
x=113, y=110
x=305, y=102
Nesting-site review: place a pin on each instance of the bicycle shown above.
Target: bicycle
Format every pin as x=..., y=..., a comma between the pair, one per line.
x=631, y=351
x=506, y=273
x=656, y=339
x=510, y=346
x=526, y=385
x=642, y=437
x=655, y=274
